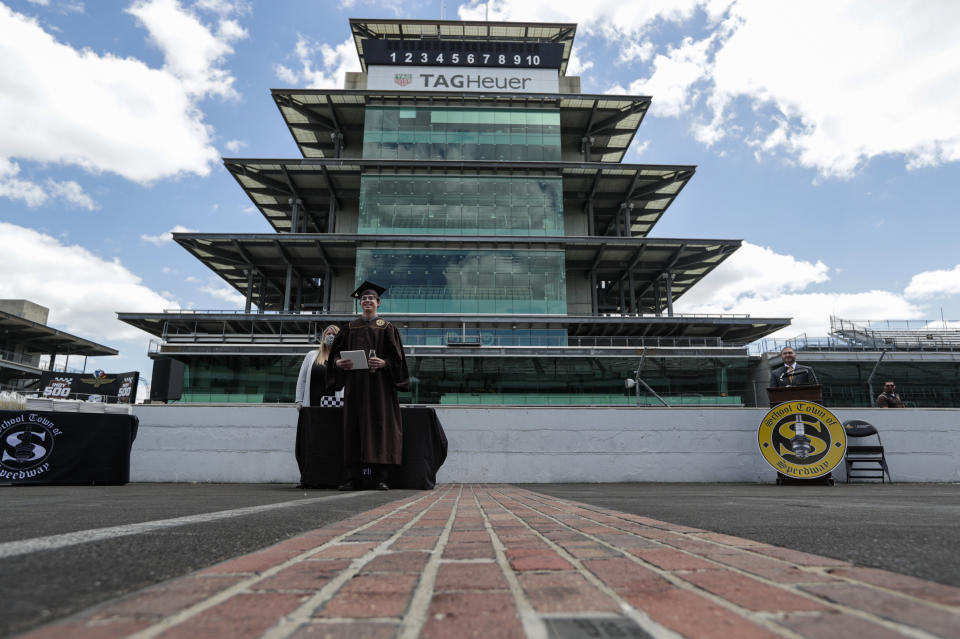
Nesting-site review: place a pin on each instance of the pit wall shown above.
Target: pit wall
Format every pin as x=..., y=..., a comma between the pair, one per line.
x=255, y=443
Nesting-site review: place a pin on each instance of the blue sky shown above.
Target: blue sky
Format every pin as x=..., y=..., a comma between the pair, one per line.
x=826, y=136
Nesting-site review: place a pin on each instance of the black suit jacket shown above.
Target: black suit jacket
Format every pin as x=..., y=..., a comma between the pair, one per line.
x=801, y=375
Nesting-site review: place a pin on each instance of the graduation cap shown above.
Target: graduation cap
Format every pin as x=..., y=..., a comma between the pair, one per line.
x=367, y=286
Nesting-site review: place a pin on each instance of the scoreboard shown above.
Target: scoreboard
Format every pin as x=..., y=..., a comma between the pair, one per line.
x=453, y=53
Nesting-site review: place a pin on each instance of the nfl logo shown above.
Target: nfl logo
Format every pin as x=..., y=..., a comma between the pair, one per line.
x=403, y=79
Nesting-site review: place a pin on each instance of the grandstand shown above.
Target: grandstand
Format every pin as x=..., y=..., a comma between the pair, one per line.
x=877, y=335
x=900, y=335
x=921, y=356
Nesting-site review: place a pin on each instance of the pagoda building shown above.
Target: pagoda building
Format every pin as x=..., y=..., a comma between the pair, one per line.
x=463, y=170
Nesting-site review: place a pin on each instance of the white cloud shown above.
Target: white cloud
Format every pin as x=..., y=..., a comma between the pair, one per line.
x=828, y=85
x=335, y=62
x=757, y=271
x=167, y=237
x=110, y=114
x=191, y=51
x=612, y=19
x=934, y=283
x=576, y=65
x=225, y=7
x=16, y=189
x=762, y=283
x=33, y=194
x=891, y=85
x=72, y=193
x=639, y=148
x=674, y=77
x=234, y=146
x=72, y=6
x=225, y=293
x=82, y=291
x=636, y=51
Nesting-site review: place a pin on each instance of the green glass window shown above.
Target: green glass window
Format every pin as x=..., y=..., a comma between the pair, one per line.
x=456, y=281
x=424, y=133
x=469, y=205
x=576, y=380
x=483, y=337
x=241, y=378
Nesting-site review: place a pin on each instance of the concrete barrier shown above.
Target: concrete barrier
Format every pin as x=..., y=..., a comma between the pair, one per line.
x=254, y=443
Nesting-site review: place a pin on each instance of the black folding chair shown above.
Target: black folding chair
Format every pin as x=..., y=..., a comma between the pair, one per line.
x=865, y=462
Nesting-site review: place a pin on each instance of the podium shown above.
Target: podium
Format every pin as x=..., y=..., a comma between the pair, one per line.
x=801, y=393
x=804, y=393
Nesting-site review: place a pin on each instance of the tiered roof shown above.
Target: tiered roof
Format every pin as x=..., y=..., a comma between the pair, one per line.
x=628, y=269
x=641, y=191
x=561, y=33
x=610, y=121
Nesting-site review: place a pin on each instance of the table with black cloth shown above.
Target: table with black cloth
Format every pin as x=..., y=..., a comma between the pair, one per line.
x=51, y=447
x=319, y=448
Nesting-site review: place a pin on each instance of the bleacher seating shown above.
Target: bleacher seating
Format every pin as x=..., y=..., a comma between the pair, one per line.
x=912, y=335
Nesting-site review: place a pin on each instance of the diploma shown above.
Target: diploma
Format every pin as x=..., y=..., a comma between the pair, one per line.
x=359, y=359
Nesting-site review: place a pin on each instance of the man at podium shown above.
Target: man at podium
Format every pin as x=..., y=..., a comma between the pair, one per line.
x=791, y=373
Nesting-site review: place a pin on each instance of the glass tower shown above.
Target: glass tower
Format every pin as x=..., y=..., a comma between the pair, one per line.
x=466, y=172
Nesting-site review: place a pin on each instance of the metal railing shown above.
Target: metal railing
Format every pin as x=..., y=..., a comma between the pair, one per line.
x=83, y=397
x=855, y=336
x=837, y=324
x=907, y=335
x=799, y=343
x=196, y=311
x=27, y=359
x=458, y=338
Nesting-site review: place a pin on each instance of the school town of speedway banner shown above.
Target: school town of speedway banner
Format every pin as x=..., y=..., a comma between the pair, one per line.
x=112, y=388
x=47, y=447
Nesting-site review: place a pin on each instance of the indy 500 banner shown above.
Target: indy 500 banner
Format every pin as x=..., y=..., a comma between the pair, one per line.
x=98, y=386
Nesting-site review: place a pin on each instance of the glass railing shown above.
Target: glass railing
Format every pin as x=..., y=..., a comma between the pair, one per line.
x=474, y=338
x=221, y=398
x=587, y=399
x=27, y=359
x=221, y=311
x=492, y=338
x=867, y=341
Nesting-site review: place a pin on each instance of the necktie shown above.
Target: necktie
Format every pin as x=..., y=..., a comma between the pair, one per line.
x=790, y=377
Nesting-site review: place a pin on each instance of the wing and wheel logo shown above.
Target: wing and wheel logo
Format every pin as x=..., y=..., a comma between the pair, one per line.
x=802, y=439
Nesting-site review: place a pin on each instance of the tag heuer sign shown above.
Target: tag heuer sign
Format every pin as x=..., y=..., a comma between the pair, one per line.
x=462, y=79
x=802, y=439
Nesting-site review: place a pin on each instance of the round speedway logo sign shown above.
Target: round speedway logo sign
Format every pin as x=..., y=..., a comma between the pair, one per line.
x=802, y=439
x=26, y=442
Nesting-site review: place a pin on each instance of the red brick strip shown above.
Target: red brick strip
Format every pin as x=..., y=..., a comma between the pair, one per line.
x=498, y=561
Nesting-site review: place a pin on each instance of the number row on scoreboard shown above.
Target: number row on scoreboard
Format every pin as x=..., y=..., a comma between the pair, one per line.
x=482, y=59
x=544, y=55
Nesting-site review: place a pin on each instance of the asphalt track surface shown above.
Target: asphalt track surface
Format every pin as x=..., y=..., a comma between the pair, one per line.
x=906, y=528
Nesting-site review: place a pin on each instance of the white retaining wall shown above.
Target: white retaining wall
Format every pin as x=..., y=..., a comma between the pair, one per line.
x=254, y=443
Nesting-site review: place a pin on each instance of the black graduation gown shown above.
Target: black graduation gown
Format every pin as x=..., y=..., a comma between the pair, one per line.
x=371, y=415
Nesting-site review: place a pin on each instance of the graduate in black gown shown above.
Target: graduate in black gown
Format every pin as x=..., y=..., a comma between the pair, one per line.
x=373, y=431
